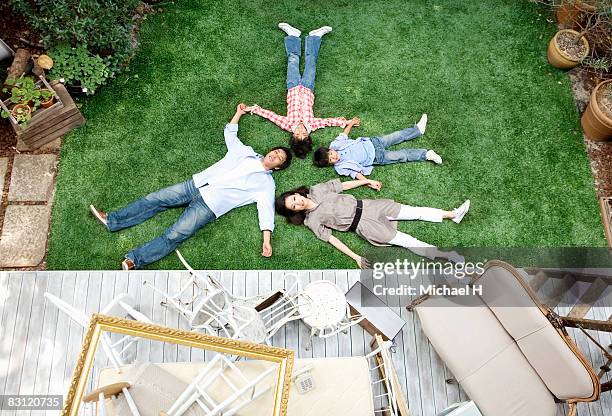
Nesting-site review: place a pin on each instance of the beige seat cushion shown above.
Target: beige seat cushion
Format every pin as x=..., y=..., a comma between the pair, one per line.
x=485, y=359
x=342, y=386
x=561, y=368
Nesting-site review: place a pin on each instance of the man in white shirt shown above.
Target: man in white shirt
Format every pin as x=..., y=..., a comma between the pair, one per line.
x=242, y=177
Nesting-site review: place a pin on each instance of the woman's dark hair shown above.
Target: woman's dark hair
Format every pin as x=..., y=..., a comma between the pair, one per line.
x=293, y=217
x=301, y=148
x=321, y=157
x=287, y=161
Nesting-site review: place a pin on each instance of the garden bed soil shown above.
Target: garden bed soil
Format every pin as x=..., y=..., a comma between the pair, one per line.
x=571, y=46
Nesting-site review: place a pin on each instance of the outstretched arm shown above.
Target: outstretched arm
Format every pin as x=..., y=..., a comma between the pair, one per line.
x=318, y=123
x=231, y=130
x=353, y=123
x=362, y=262
x=240, y=111
x=361, y=182
x=280, y=121
x=265, y=212
x=266, y=248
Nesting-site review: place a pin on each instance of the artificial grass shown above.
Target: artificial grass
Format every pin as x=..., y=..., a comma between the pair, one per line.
x=501, y=117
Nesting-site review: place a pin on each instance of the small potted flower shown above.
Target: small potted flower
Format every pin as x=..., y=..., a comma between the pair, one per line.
x=22, y=113
x=47, y=97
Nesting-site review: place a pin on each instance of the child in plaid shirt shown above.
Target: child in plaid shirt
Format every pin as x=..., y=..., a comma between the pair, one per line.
x=300, y=120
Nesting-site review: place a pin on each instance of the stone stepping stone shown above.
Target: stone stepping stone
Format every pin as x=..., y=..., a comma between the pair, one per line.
x=3, y=168
x=24, y=235
x=32, y=178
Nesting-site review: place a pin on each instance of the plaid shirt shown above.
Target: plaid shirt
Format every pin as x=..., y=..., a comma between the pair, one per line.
x=299, y=110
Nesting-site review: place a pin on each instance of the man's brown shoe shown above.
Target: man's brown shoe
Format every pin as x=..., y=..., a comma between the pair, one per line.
x=127, y=264
x=100, y=216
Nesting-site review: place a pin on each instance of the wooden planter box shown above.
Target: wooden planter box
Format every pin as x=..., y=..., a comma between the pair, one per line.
x=47, y=124
x=605, y=204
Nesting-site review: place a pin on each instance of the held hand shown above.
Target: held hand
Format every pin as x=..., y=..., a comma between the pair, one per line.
x=266, y=250
x=363, y=263
x=249, y=108
x=355, y=121
x=241, y=108
x=376, y=185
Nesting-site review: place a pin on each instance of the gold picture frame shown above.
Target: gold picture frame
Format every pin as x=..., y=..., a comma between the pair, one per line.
x=100, y=323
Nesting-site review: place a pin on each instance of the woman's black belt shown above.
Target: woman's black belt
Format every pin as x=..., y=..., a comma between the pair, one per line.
x=357, y=217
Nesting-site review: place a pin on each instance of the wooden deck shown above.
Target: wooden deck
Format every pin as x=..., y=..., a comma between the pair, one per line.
x=38, y=345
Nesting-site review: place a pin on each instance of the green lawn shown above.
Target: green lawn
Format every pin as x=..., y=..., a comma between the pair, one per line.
x=500, y=116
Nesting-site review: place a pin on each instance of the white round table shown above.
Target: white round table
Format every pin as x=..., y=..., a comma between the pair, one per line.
x=327, y=306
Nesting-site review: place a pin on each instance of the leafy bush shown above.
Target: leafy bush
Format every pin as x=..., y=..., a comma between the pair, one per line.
x=103, y=27
x=77, y=66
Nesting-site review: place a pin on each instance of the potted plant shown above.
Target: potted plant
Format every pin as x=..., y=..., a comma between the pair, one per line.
x=20, y=112
x=47, y=97
x=597, y=119
x=567, y=49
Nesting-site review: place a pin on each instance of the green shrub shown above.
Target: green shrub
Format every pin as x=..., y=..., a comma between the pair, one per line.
x=102, y=26
x=77, y=66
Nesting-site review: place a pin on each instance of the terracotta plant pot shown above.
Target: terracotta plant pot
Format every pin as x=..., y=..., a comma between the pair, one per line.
x=19, y=106
x=595, y=122
x=49, y=102
x=571, y=13
x=560, y=59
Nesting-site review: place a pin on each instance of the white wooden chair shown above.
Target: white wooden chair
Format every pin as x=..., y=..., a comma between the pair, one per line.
x=327, y=312
x=214, y=309
x=391, y=396
x=121, y=305
x=111, y=391
x=240, y=389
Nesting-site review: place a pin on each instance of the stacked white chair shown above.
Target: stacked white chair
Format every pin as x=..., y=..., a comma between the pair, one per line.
x=121, y=305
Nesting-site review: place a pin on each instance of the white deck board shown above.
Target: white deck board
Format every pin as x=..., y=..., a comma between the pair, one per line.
x=39, y=345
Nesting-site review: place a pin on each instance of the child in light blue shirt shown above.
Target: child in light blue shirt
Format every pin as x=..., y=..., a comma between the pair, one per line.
x=356, y=157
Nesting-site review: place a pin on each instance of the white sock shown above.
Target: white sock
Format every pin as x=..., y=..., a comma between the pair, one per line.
x=434, y=157
x=289, y=30
x=422, y=124
x=320, y=31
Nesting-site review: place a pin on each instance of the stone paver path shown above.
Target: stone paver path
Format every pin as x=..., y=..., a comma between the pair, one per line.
x=24, y=230
x=32, y=178
x=3, y=168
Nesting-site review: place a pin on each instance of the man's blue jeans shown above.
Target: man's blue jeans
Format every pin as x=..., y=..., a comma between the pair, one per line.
x=293, y=47
x=382, y=156
x=196, y=215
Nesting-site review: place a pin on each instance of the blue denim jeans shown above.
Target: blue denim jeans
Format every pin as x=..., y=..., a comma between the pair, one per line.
x=382, y=156
x=293, y=47
x=196, y=215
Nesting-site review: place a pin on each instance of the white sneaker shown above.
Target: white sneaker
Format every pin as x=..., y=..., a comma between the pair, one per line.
x=434, y=157
x=422, y=124
x=461, y=211
x=320, y=31
x=289, y=30
x=98, y=215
